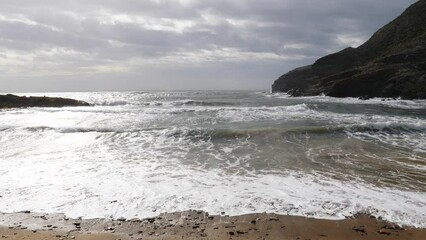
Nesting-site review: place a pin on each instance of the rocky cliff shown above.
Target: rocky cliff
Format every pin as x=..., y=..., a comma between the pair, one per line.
x=392, y=63
x=13, y=101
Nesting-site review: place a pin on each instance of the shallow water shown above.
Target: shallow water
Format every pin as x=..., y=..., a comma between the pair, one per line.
x=141, y=153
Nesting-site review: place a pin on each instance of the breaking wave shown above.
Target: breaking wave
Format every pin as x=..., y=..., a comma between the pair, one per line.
x=244, y=151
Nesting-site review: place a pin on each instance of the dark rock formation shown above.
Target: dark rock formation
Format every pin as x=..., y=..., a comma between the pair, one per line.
x=392, y=63
x=13, y=101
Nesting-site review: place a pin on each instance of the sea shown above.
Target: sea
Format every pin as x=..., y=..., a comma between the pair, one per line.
x=142, y=153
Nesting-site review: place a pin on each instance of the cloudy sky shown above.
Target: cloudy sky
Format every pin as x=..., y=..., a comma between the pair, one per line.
x=84, y=45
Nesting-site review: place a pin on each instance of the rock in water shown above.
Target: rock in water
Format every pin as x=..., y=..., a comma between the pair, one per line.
x=391, y=64
x=13, y=101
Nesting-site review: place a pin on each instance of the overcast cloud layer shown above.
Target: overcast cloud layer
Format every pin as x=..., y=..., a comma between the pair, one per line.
x=78, y=45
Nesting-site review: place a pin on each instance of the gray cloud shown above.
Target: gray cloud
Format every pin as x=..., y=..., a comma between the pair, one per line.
x=51, y=45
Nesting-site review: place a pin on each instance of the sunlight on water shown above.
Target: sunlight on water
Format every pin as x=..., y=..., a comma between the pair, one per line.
x=140, y=153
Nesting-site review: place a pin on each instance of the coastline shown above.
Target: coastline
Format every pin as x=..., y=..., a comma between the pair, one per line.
x=194, y=224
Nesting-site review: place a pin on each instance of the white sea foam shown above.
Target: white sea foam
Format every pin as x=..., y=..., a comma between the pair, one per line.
x=390, y=102
x=145, y=189
x=138, y=154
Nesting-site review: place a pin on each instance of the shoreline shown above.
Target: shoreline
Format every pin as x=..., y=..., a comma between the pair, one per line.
x=193, y=224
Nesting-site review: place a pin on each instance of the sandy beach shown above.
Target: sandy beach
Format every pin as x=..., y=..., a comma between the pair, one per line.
x=183, y=119
x=200, y=225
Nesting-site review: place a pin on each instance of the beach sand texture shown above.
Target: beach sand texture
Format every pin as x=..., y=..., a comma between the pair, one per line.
x=200, y=225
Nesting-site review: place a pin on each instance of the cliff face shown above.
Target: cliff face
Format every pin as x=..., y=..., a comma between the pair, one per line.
x=392, y=63
x=13, y=101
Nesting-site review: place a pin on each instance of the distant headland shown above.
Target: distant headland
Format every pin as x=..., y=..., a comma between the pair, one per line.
x=13, y=101
x=391, y=64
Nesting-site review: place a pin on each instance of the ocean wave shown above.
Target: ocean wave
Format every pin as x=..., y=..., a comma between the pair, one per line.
x=372, y=127
x=148, y=102
x=179, y=188
x=388, y=127
x=140, y=92
x=387, y=102
x=247, y=114
x=275, y=95
x=111, y=103
x=2, y=129
x=313, y=156
x=196, y=133
x=201, y=103
x=396, y=130
x=72, y=129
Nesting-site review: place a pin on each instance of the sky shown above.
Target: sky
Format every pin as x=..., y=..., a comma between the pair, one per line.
x=101, y=45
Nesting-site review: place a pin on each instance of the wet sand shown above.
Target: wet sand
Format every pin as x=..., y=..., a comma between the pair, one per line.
x=200, y=225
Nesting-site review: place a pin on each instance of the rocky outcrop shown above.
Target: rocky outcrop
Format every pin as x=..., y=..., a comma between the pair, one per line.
x=392, y=63
x=13, y=101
